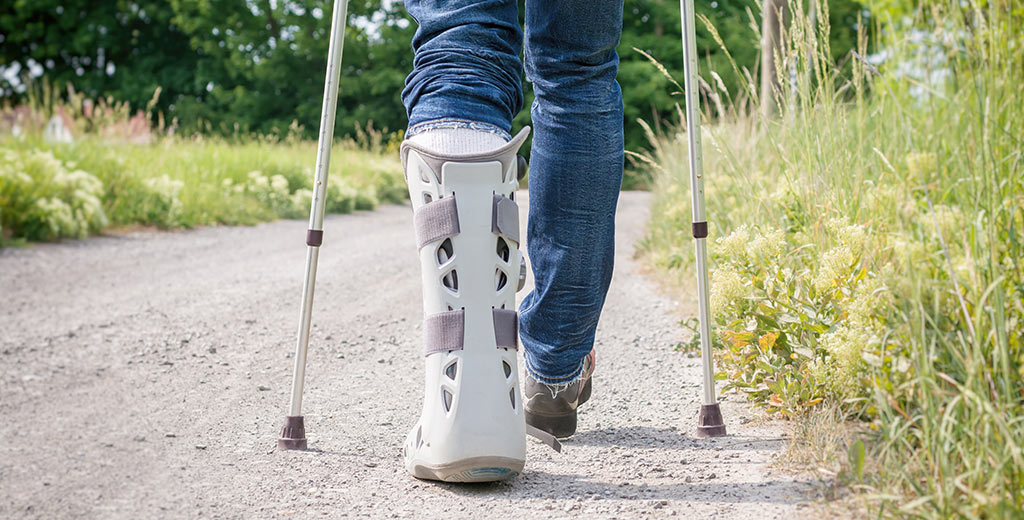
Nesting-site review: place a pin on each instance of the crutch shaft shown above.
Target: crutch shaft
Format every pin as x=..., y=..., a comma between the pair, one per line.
x=305, y=318
x=293, y=434
x=709, y=421
x=704, y=323
x=697, y=192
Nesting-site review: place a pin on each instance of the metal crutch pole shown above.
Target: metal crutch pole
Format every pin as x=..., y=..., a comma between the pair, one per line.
x=709, y=421
x=293, y=435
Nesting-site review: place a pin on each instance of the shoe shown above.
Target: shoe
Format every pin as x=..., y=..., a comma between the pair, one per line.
x=552, y=408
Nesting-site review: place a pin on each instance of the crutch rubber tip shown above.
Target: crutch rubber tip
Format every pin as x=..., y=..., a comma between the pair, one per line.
x=293, y=435
x=709, y=422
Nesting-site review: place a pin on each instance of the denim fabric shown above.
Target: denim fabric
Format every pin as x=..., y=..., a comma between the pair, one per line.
x=467, y=73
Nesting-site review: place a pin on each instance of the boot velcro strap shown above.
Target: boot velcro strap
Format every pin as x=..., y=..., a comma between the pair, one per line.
x=436, y=220
x=544, y=437
x=506, y=328
x=505, y=218
x=444, y=331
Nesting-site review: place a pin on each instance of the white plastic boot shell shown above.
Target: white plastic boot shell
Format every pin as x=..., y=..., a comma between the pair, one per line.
x=472, y=427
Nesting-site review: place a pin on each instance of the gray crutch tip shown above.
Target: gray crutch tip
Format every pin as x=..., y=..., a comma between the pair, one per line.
x=293, y=434
x=709, y=422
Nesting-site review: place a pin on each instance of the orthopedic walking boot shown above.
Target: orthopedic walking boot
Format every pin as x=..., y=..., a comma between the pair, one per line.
x=472, y=427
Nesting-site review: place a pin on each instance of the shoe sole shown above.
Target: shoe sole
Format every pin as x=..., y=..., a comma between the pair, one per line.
x=473, y=469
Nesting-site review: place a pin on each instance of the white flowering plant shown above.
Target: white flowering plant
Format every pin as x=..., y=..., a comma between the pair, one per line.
x=44, y=198
x=792, y=336
x=898, y=297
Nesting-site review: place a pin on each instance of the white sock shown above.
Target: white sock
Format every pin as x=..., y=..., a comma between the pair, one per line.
x=458, y=140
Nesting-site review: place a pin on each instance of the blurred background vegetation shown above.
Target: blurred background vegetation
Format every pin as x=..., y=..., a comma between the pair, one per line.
x=256, y=66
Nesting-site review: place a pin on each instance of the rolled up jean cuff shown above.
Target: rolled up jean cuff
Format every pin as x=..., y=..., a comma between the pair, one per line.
x=531, y=369
x=448, y=122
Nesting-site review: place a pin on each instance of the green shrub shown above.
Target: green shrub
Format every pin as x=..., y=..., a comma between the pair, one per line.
x=43, y=198
x=867, y=251
x=46, y=193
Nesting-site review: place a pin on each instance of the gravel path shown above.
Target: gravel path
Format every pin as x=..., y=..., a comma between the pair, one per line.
x=146, y=376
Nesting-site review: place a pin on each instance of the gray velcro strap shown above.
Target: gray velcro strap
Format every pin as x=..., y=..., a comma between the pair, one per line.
x=544, y=437
x=505, y=218
x=506, y=328
x=436, y=220
x=444, y=331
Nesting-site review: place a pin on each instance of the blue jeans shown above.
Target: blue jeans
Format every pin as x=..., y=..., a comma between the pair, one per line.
x=467, y=72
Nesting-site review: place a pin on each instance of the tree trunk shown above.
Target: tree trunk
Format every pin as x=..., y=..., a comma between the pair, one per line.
x=771, y=46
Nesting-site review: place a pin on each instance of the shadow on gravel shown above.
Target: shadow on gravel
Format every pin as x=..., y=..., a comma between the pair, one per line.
x=670, y=438
x=539, y=484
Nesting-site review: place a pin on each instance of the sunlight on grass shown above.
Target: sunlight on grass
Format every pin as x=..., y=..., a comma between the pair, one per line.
x=867, y=248
x=53, y=190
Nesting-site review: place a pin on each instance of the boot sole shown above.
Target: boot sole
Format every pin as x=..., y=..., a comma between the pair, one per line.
x=473, y=469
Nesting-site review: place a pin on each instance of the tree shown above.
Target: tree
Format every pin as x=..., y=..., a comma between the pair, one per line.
x=123, y=49
x=773, y=15
x=258, y=65
x=264, y=63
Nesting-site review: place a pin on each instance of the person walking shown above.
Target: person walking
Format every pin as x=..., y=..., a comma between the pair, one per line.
x=460, y=162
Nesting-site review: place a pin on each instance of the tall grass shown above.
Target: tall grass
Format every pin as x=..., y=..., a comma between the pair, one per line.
x=868, y=247
x=117, y=171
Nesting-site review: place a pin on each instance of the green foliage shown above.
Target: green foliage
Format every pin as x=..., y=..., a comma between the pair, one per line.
x=118, y=48
x=227, y=67
x=224, y=66
x=652, y=27
x=867, y=251
x=795, y=326
x=55, y=190
x=42, y=198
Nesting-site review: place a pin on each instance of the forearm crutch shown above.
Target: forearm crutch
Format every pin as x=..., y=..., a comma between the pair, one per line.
x=293, y=435
x=709, y=421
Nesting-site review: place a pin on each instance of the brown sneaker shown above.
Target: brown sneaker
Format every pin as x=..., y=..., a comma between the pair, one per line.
x=552, y=408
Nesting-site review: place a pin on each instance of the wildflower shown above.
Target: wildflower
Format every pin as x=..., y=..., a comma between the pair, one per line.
x=850, y=235
x=909, y=253
x=733, y=248
x=257, y=181
x=279, y=183
x=164, y=193
x=727, y=287
x=768, y=245
x=836, y=264
x=165, y=186
x=301, y=199
x=57, y=216
x=965, y=268
x=785, y=191
x=845, y=346
x=869, y=298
